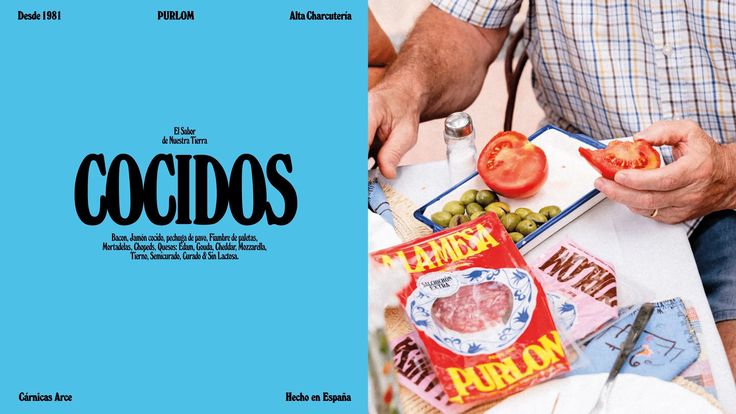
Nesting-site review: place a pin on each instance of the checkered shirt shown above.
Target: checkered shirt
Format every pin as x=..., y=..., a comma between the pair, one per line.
x=609, y=69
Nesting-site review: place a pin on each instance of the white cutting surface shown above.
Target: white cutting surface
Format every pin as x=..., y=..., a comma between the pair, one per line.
x=653, y=261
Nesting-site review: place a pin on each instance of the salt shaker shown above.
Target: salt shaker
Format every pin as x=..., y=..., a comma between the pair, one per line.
x=460, y=140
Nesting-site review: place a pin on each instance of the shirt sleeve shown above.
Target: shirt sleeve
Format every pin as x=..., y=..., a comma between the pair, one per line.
x=489, y=14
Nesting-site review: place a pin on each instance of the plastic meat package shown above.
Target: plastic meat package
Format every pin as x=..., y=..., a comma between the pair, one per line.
x=480, y=314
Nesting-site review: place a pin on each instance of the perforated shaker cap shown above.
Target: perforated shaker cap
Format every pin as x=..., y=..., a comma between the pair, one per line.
x=458, y=125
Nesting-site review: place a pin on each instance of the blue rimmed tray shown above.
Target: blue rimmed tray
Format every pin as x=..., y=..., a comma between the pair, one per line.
x=569, y=185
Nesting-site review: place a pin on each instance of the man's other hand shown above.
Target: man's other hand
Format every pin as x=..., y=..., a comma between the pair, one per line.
x=702, y=179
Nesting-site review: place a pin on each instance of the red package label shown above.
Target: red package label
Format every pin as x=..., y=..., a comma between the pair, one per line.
x=481, y=315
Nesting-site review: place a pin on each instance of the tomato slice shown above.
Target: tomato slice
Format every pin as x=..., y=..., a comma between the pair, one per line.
x=622, y=155
x=512, y=166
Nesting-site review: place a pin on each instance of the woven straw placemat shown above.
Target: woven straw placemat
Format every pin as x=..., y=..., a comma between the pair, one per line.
x=407, y=227
x=697, y=389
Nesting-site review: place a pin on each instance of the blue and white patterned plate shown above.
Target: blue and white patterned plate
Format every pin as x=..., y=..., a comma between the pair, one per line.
x=444, y=284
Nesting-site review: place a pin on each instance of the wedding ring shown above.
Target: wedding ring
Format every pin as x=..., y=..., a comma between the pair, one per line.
x=653, y=214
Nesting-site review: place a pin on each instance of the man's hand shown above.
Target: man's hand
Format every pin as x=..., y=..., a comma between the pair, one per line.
x=440, y=70
x=393, y=118
x=702, y=179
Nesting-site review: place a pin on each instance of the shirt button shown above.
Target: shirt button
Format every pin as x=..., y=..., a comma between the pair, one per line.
x=667, y=50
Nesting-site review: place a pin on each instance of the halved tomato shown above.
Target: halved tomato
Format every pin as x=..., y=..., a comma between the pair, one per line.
x=622, y=155
x=512, y=166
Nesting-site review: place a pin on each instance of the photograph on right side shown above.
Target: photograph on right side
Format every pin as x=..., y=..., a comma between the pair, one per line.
x=552, y=207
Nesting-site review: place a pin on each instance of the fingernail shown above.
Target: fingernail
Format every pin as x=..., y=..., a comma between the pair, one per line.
x=621, y=177
x=640, y=135
x=598, y=184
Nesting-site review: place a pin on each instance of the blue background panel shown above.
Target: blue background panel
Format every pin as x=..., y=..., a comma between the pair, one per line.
x=213, y=337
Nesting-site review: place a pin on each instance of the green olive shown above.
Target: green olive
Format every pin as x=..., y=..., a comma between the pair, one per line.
x=510, y=221
x=468, y=197
x=454, y=207
x=526, y=227
x=441, y=218
x=536, y=217
x=473, y=208
x=485, y=197
x=505, y=207
x=477, y=214
x=522, y=212
x=458, y=219
x=516, y=236
x=496, y=209
x=550, y=211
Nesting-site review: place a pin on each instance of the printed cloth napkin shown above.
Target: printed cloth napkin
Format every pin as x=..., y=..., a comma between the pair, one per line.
x=667, y=346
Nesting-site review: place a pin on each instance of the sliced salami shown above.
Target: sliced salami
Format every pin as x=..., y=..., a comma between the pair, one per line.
x=474, y=308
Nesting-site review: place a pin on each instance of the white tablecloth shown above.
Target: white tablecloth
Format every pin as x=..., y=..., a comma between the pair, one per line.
x=653, y=261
